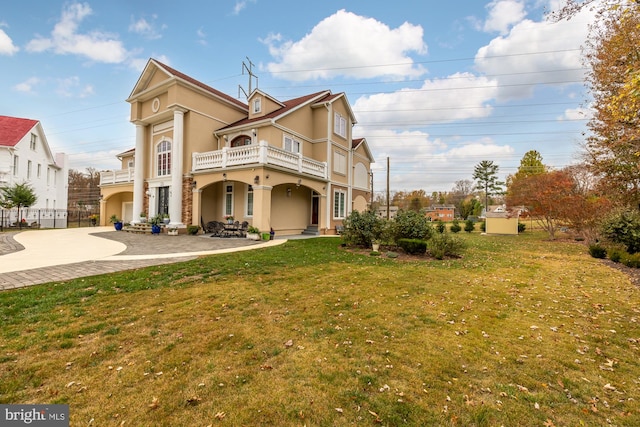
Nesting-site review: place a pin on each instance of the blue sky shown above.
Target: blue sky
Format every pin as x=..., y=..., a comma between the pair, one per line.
x=436, y=87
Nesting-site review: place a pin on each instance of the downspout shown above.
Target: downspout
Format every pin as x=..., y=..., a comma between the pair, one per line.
x=329, y=163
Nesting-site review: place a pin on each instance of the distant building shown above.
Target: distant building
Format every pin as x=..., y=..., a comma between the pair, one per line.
x=440, y=212
x=382, y=212
x=25, y=158
x=502, y=220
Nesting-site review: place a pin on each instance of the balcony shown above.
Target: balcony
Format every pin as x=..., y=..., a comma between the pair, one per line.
x=116, y=177
x=262, y=154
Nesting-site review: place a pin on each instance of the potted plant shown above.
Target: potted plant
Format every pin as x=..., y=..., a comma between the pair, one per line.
x=155, y=224
x=229, y=219
x=117, y=222
x=193, y=229
x=375, y=245
x=172, y=231
x=165, y=218
x=253, y=233
x=94, y=219
x=143, y=217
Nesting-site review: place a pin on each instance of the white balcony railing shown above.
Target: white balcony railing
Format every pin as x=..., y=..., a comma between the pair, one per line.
x=116, y=177
x=238, y=156
x=258, y=154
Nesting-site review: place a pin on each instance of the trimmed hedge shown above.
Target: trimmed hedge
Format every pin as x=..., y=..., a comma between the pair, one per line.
x=413, y=246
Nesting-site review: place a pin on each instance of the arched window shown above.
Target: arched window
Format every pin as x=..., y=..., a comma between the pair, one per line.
x=163, y=153
x=241, y=140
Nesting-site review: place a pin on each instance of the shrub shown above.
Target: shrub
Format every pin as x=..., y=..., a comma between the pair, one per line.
x=597, y=251
x=483, y=226
x=193, y=229
x=631, y=260
x=455, y=226
x=410, y=225
x=413, y=246
x=441, y=227
x=616, y=254
x=445, y=245
x=362, y=228
x=624, y=227
x=521, y=227
x=469, y=226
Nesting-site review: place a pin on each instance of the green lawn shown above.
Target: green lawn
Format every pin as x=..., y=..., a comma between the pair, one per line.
x=520, y=331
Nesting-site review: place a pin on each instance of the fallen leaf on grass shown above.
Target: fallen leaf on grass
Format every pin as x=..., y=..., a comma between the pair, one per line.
x=378, y=419
x=154, y=403
x=193, y=400
x=219, y=415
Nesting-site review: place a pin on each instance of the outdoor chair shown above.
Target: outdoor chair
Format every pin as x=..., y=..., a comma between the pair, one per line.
x=217, y=229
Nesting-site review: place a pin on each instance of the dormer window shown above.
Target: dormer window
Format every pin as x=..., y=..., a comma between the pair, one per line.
x=257, y=105
x=241, y=141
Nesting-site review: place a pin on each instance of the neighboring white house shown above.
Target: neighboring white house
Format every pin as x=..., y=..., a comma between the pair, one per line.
x=25, y=157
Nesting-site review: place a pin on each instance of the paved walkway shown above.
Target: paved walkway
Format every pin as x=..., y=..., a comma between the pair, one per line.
x=41, y=256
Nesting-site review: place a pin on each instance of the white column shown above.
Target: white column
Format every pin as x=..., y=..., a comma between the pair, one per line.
x=138, y=177
x=175, y=202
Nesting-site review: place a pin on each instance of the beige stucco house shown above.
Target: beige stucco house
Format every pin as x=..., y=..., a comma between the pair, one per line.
x=202, y=155
x=501, y=220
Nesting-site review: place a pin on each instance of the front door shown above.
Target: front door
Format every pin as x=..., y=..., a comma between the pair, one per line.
x=315, y=207
x=163, y=200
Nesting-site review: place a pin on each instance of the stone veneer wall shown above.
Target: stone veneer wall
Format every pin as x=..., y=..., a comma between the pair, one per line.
x=187, y=201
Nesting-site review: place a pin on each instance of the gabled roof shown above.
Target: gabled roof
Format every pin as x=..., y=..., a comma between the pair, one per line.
x=266, y=95
x=288, y=107
x=149, y=71
x=334, y=97
x=357, y=142
x=13, y=129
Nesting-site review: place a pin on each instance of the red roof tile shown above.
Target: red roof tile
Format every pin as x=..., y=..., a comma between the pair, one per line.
x=13, y=129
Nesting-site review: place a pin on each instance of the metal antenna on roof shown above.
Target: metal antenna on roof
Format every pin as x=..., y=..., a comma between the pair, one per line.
x=249, y=71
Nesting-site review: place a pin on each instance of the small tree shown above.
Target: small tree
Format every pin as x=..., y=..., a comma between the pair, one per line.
x=360, y=229
x=624, y=227
x=411, y=225
x=18, y=195
x=455, y=226
x=469, y=226
x=486, y=175
x=549, y=197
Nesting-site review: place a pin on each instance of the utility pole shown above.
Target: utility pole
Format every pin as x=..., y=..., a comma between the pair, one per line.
x=371, y=180
x=249, y=70
x=388, y=194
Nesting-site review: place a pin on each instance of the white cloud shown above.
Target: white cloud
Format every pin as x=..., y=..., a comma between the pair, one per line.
x=240, y=5
x=503, y=14
x=460, y=96
x=346, y=44
x=535, y=53
x=6, y=44
x=27, y=85
x=202, y=37
x=576, y=114
x=148, y=30
x=65, y=39
x=71, y=88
